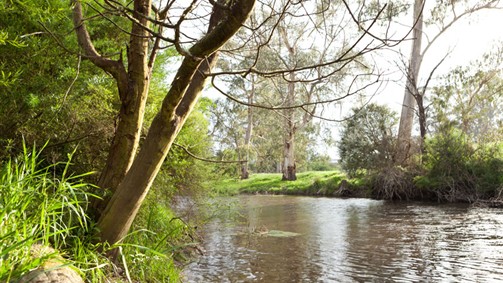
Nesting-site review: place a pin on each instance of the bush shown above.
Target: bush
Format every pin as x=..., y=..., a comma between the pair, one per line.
x=367, y=140
x=458, y=170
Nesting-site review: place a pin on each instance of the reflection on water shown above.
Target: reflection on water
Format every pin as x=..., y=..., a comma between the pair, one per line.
x=351, y=240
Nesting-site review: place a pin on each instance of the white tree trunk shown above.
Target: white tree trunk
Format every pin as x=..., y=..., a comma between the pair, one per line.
x=409, y=102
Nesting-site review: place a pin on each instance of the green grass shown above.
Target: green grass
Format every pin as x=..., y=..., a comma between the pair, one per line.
x=46, y=206
x=38, y=209
x=307, y=183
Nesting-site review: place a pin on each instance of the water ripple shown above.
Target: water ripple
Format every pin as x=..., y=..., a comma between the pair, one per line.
x=354, y=240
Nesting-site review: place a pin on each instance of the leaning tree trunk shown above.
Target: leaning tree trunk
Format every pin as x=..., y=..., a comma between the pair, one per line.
x=178, y=103
x=408, y=106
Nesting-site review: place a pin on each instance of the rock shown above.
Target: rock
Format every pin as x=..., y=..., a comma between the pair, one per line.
x=54, y=270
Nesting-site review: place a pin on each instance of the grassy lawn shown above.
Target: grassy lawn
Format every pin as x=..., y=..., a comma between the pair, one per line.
x=307, y=183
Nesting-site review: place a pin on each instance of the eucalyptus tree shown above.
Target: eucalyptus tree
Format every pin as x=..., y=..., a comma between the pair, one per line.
x=443, y=15
x=197, y=30
x=471, y=99
x=311, y=54
x=128, y=173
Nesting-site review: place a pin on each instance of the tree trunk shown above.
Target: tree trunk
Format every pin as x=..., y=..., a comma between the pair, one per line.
x=249, y=129
x=422, y=120
x=132, y=86
x=127, y=136
x=408, y=106
x=178, y=103
x=289, y=169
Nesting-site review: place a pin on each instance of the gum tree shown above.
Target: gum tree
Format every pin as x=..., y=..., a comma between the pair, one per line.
x=130, y=172
x=442, y=16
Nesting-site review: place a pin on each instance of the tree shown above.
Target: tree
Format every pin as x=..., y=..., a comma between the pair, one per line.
x=129, y=173
x=305, y=73
x=444, y=16
x=148, y=30
x=368, y=139
x=471, y=100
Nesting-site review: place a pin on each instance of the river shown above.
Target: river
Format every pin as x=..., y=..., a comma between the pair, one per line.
x=306, y=239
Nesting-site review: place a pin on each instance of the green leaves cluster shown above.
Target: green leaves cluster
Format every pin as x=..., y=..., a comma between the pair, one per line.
x=459, y=170
x=367, y=139
x=471, y=99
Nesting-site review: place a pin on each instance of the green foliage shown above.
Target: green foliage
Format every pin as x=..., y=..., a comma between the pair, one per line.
x=319, y=162
x=470, y=99
x=157, y=238
x=38, y=208
x=367, y=139
x=47, y=93
x=181, y=173
x=459, y=170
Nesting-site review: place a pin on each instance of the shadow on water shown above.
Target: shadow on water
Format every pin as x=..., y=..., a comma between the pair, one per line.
x=350, y=240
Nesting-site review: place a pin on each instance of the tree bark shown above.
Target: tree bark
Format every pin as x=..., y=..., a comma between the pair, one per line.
x=408, y=106
x=422, y=120
x=132, y=86
x=248, y=134
x=289, y=168
x=179, y=101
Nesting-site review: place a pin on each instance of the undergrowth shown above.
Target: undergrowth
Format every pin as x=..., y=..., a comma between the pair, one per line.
x=36, y=208
x=45, y=206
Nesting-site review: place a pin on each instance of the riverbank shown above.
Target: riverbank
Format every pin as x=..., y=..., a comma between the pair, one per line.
x=392, y=184
x=313, y=183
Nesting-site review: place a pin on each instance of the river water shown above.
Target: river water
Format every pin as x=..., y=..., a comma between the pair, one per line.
x=306, y=239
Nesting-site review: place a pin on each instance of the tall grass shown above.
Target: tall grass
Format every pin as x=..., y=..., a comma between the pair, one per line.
x=38, y=208
x=45, y=206
x=160, y=242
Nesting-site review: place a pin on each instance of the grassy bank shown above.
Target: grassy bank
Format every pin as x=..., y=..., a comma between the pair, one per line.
x=44, y=225
x=322, y=183
x=393, y=183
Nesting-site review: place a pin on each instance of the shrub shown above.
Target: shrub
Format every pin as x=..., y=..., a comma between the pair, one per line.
x=367, y=140
x=458, y=170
